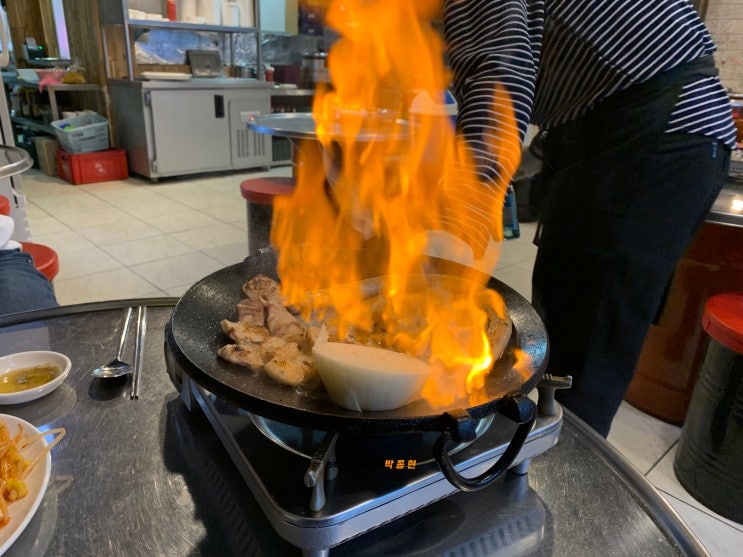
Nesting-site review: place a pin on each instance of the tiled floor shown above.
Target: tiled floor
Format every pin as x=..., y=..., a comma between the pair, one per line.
x=134, y=238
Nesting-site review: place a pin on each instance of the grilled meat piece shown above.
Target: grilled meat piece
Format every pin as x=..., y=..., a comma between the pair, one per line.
x=243, y=354
x=251, y=312
x=261, y=286
x=244, y=332
x=289, y=365
x=270, y=346
x=280, y=322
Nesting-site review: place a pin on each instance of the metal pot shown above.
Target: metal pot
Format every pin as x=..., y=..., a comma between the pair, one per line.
x=245, y=72
x=314, y=69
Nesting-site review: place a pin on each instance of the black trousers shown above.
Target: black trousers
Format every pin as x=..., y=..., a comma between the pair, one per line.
x=624, y=200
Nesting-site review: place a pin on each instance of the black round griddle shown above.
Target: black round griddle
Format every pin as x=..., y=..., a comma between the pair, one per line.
x=194, y=335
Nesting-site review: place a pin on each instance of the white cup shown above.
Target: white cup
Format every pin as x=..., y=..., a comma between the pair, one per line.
x=247, y=18
x=231, y=14
x=186, y=9
x=211, y=11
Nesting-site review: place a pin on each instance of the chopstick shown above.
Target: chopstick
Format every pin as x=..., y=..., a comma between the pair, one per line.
x=138, y=350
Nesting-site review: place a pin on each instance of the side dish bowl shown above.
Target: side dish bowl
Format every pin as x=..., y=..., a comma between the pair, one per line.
x=14, y=363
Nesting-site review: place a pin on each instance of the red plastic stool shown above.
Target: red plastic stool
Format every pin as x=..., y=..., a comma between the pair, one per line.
x=259, y=194
x=45, y=259
x=4, y=206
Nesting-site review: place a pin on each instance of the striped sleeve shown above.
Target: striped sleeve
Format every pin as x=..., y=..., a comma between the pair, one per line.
x=492, y=44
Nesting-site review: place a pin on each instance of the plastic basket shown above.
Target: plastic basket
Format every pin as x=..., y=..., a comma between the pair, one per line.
x=82, y=134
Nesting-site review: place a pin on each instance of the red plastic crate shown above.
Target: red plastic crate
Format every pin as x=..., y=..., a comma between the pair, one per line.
x=88, y=168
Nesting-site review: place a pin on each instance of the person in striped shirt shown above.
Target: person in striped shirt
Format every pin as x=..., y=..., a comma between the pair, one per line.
x=635, y=136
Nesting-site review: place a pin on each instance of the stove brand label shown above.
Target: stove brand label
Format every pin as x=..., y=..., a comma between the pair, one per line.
x=400, y=464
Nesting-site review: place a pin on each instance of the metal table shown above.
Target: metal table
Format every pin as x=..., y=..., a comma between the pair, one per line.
x=13, y=160
x=300, y=129
x=148, y=477
x=301, y=125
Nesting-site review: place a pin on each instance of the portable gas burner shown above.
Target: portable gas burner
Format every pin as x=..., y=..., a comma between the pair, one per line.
x=315, y=503
x=323, y=474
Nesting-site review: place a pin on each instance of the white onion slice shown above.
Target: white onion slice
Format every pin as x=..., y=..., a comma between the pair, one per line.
x=366, y=378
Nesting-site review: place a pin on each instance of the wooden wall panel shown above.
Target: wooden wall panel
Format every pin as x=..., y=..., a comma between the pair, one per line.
x=84, y=34
x=86, y=45
x=24, y=20
x=49, y=30
x=34, y=18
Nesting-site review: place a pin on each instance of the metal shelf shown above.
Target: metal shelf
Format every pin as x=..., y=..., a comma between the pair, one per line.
x=280, y=92
x=53, y=88
x=32, y=124
x=115, y=13
x=186, y=26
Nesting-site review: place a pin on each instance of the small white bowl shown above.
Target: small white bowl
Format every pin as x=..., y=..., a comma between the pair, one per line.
x=30, y=359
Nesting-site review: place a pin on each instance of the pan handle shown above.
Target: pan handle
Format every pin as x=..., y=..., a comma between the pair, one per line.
x=518, y=408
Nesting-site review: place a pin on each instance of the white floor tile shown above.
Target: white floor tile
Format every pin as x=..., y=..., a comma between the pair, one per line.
x=664, y=479
x=130, y=184
x=77, y=220
x=180, y=220
x=515, y=252
x=201, y=198
x=62, y=242
x=242, y=224
x=37, y=184
x=178, y=291
x=42, y=225
x=525, y=265
x=205, y=239
x=120, y=229
x=718, y=538
x=228, y=213
x=127, y=198
x=59, y=205
x=34, y=211
x=231, y=254
x=144, y=250
x=109, y=285
x=642, y=439
x=82, y=262
x=183, y=269
x=518, y=279
x=156, y=206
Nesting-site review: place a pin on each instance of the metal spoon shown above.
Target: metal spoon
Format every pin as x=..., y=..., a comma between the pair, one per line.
x=116, y=367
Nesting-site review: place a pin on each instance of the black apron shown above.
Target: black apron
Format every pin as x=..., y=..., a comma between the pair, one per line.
x=615, y=223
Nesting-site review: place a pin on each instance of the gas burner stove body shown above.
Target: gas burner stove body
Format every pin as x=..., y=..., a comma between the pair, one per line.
x=316, y=505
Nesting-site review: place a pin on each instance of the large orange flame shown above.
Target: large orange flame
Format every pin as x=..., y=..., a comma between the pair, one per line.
x=380, y=184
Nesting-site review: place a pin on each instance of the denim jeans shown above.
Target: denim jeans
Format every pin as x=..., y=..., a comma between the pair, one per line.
x=22, y=287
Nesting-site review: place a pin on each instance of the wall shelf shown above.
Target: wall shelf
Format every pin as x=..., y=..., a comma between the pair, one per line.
x=118, y=33
x=32, y=124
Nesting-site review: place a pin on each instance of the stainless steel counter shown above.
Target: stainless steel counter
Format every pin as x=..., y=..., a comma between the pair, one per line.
x=194, y=83
x=728, y=207
x=148, y=477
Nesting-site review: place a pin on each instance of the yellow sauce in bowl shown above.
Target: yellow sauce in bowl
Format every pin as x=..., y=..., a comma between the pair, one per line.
x=27, y=378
